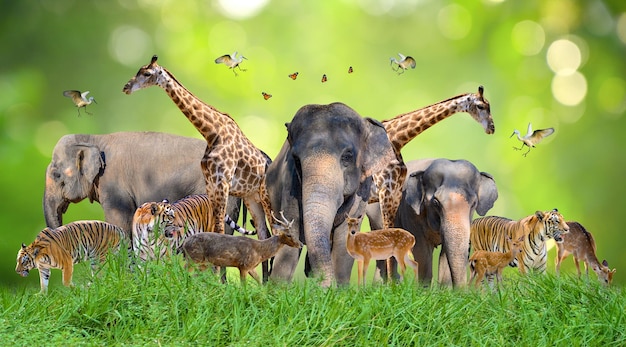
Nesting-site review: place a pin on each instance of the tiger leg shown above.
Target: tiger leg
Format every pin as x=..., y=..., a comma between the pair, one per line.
x=68, y=271
x=44, y=278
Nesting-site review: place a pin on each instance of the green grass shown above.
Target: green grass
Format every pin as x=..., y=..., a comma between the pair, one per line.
x=162, y=305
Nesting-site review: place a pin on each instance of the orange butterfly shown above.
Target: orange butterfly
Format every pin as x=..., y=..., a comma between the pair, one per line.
x=294, y=75
x=350, y=70
x=266, y=96
x=324, y=79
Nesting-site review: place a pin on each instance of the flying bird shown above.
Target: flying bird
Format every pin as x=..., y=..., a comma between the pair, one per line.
x=232, y=61
x=266, y=96
x=324, y=79
x=294, y=75
x=532, y=137
x=403, y=64
x=350, y=70
x=80, y=99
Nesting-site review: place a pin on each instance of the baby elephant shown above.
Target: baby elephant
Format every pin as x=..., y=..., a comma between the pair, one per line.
x=237, y=251
x=67, y=245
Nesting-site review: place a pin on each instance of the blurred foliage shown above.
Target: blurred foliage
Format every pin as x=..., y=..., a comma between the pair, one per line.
x=577, y=86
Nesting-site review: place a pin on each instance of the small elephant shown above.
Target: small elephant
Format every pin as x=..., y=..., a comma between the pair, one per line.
x=322, y=174
x=121, y=171
x=439, y=199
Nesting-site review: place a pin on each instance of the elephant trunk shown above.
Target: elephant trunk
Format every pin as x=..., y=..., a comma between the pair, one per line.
x=54, y=206
x=322, y=195
x=457, y=252
x=455, y=232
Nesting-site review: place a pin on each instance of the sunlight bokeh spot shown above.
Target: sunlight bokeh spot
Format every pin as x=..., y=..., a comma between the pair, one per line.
x=47, y=135
x=454, y=21
x=393, y=7
x=528, y=37
x=175, y=15
x=612, y=96
x=621, y=28
x=129, y=45
x=241, y=9
x=570, y=89
x=563, y=57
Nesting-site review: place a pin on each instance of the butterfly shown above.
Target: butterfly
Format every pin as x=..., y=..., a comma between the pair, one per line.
x=350, y=70
x=266, y=96
x=294, y=75
x=324, y=79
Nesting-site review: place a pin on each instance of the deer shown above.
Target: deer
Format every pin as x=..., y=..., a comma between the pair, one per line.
x=241, y=252
x=580, y=243
x=492, y=263
x=381, y=244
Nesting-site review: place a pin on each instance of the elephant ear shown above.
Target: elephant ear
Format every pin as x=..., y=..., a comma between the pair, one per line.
x=89, y=161
x=414, y=191
x=487, y=193
x=378, y=151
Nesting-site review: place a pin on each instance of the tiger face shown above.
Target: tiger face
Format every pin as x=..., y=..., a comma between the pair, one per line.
x=150, y=219
x=26, y=260
x=555, y=225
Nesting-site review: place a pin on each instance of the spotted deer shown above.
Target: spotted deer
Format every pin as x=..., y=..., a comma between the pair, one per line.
x=580, y=243
x=380, y=244
x=492, y=263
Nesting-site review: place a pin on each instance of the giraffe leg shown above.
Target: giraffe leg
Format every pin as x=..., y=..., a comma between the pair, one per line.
x=217, y=181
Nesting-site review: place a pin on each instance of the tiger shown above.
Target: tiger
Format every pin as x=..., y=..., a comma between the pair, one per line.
x=67, y=245
x=490, y=234
x=159, y=227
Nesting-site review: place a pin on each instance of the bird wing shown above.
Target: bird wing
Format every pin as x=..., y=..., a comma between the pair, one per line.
x=226, y=59
x=541, y=133
x=71, y=94
x=529, y=132
x=84, y=95
x=411, y=62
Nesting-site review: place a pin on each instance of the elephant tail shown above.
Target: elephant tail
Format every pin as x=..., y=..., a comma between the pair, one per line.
x=231, y=223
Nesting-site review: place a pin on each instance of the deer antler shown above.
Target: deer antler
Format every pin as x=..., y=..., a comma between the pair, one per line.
x=284, y=223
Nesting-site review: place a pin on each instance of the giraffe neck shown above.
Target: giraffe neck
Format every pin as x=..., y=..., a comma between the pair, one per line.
x=407, y=126
x=205, y=118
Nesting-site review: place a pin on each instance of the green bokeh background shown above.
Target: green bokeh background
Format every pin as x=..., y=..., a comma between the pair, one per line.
x=51, y=46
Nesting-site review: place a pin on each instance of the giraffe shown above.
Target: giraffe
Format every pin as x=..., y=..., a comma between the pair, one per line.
x=405, y=127
x=231, y=163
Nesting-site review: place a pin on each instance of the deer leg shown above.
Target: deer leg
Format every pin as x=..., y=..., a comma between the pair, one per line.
x=366, y=262
x=360, y=272
x=255, y=275
x=412, y=263
x=577, y=265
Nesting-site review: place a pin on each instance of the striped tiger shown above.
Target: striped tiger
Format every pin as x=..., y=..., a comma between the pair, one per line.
x=490, y=234
x=67, y=245
x=162, y=225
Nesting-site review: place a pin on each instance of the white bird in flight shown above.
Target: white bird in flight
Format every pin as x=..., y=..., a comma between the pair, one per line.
x=232, y=61
x=403, y=64
x=79, y=99
x=532, y=137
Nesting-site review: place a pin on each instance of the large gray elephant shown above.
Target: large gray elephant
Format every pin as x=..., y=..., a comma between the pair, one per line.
x=121, y=171
x=322, y=174
x=439, y=199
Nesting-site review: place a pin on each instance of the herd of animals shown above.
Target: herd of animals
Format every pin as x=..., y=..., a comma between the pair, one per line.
x=164, y=194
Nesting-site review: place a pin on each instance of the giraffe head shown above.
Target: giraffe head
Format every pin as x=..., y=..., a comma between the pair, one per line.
x=147, y=76
x=478, y=107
